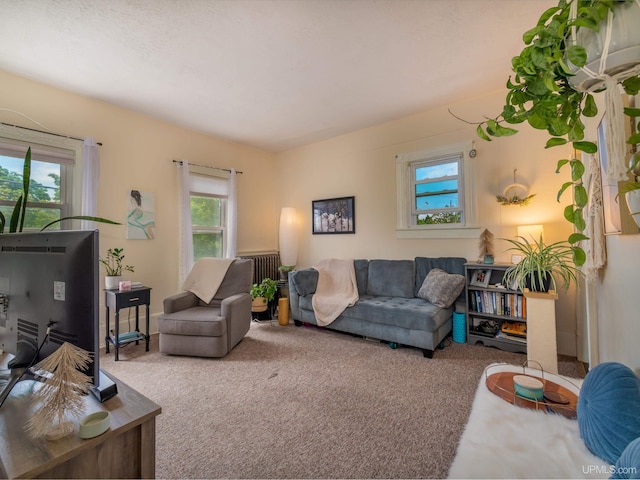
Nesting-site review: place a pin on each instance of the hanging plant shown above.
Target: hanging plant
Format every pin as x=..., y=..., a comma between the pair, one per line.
x=515, y=193
x=514, y=200
x=541, y=94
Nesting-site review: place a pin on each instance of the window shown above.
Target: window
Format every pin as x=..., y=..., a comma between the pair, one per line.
x=434, y=198
x=51, y=178
x=207, y=229
x=437, y=197
x=208, y=205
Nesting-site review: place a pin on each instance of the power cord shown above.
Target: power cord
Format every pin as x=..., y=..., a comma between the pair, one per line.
x=31, y=364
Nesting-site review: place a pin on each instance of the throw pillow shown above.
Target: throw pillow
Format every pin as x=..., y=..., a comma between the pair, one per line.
x=608, y=408
x=441, y=288
x=628, y=465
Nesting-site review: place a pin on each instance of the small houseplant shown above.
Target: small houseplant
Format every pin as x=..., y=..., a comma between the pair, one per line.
x=284, y=271
x=540, y=265
x=112, y=263
x=262, y=293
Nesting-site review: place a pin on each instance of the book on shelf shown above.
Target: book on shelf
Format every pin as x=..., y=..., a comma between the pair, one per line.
x=498, y=303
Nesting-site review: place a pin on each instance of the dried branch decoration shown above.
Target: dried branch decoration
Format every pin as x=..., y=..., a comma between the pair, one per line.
x=485, y=245
x=61, y=394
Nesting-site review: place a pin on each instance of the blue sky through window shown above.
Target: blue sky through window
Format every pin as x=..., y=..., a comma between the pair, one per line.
x=437, y=171
x=39, y=170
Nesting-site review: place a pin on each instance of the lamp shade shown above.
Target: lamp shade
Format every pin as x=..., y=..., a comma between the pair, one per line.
x=288, y=236
x=531, y=233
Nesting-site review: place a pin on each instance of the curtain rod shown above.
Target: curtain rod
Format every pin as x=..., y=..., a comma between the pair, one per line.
x=43, y=131
x=181, y=162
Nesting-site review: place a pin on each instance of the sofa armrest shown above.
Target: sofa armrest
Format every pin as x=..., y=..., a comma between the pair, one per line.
x=304, y=282
x=180, y=301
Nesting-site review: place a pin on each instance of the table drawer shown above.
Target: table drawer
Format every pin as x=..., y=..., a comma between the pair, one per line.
x=117, y=299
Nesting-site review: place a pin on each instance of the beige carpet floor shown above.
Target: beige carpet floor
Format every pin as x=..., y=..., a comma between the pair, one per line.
x=300, y=402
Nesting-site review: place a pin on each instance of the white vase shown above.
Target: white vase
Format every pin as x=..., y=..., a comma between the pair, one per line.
x=624, y=48
x=633, y=202
x=111, y=282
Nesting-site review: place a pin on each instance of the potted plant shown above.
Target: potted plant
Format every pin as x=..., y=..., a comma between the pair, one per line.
x=262, y=293
x=284, y=271
x=541, y=92
x=112, y=263
x=540, y=265
x=631, y=188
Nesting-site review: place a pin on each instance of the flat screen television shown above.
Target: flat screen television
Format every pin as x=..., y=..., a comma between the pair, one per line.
x=49, y=289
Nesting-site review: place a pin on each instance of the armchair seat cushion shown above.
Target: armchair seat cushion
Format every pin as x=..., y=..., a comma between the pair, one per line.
x=199, y=321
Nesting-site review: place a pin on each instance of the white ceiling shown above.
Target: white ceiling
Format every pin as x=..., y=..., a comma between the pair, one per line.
x=275, y=74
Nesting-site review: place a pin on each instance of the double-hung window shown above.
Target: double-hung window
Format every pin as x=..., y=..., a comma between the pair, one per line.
x=435, y=193
x=51, y=178
x=208, y=205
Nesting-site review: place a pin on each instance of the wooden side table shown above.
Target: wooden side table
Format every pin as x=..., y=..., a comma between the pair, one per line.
x=116, y=299
x=126, y=450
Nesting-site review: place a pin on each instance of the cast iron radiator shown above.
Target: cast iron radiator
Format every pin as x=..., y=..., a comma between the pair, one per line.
x=265, y=265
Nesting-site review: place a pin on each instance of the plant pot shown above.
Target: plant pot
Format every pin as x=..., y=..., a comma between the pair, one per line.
x=532, y=282
x=112, y=282
x=259, y=304
x=623, y=53
x=633, y=202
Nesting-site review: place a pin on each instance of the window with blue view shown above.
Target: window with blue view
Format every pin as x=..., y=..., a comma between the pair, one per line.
x=437, y=191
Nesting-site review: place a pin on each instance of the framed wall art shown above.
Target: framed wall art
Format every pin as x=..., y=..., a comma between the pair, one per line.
x=333, y=215
x=141, y=215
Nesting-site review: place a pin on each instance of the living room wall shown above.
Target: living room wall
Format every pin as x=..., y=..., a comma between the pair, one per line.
x=362, y=164
x=137, y=153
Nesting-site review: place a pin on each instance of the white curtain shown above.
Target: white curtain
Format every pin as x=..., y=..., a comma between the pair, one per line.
x=186, y=241
x=232, y=216
x=90, y=179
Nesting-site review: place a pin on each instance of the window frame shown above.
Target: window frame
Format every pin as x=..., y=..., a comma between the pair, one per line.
x=200, y=176
x=203, y=229
x=415, y=166
x=406, y=163
x=63, y=151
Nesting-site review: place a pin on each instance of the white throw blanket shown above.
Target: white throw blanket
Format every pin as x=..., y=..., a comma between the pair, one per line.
x=206, y=276
x=336, y=290
x=505, y=441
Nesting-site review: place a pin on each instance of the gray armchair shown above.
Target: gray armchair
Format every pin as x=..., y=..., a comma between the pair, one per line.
x=191, y=327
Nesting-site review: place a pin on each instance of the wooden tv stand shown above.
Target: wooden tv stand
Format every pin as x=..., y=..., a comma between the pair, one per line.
x=126, y=450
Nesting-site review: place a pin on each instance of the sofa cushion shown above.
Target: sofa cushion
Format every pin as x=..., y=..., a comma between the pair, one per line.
x=198, y=321
x=441, y=288
x=425, y=264
x=391, y=278
x=362, y=271
x=410, y=313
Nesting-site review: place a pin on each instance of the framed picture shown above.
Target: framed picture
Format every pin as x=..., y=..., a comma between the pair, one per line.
x=480, y=277
x=333, y=215
x=141, y=216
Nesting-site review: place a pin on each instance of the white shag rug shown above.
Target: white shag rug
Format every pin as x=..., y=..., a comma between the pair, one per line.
x=505, y=441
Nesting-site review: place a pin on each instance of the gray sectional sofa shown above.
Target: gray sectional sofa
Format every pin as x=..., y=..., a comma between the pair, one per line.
x=395, y=303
